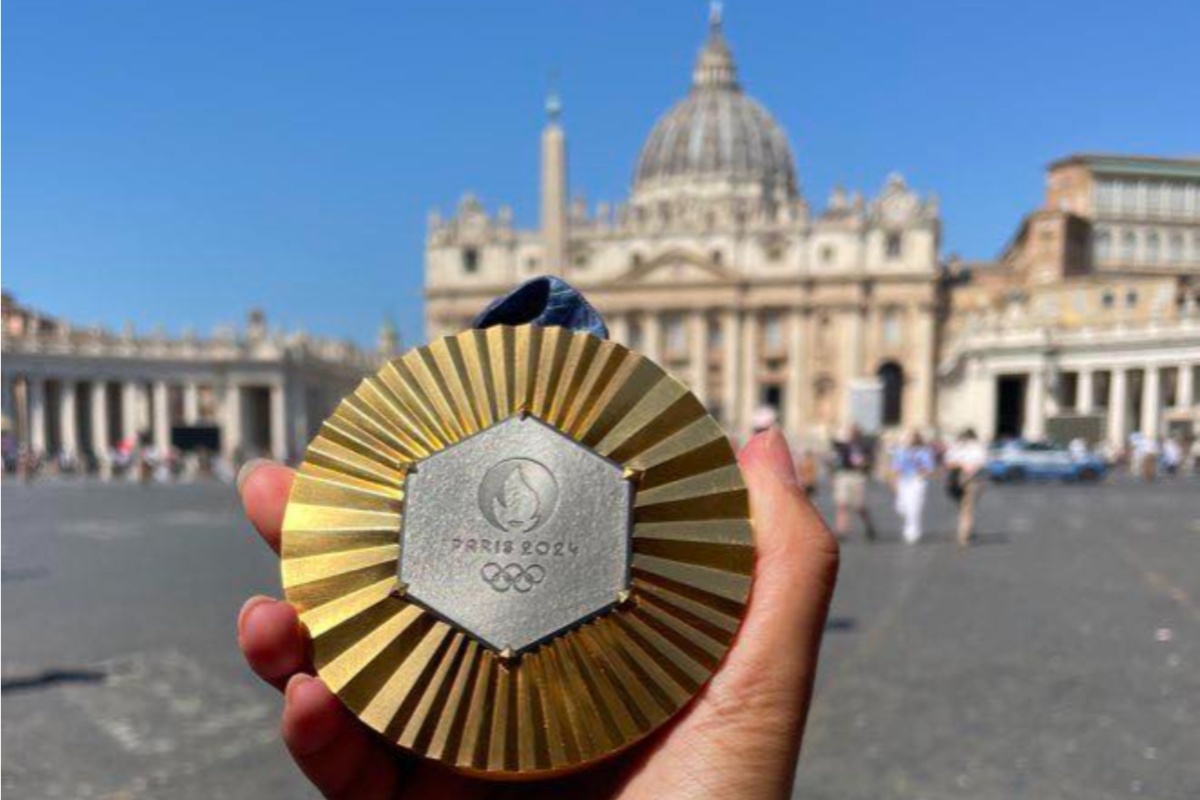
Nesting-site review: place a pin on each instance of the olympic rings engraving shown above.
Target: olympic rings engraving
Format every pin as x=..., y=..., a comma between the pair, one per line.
x=512, y=576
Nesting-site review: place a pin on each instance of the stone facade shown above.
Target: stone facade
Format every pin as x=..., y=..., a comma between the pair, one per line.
x=718, y=268
x=1063, y=326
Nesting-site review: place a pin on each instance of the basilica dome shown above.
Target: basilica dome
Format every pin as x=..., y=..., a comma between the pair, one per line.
x=716, y=138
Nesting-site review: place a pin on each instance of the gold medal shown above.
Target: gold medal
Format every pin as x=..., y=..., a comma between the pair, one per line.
x=518, y=550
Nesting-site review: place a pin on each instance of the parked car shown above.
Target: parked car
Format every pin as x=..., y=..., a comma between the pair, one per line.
x=1021, y=460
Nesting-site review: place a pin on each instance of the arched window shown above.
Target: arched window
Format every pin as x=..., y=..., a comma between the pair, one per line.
x=823, y=396
x=634, y=336
x=824, y=333
x=1103, y=245
x=1175, y=248
x=1153, y=247
x=891, y=375
x=894, y=246
x=891, y=327
x=674, y=335
x=470, y=260
x=1129, y=246
x=772, y=332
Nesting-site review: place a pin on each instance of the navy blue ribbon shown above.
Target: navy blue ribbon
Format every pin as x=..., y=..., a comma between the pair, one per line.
x=545, y=301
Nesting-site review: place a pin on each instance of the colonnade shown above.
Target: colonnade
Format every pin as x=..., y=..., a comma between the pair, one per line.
x=1125, y=409
x=73, y=415
x=732, y=358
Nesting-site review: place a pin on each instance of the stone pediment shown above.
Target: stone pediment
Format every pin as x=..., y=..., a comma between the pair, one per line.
x=678, y=265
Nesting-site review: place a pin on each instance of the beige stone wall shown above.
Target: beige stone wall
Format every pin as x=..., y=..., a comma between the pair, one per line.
x=1069, y=188
x=782, y=306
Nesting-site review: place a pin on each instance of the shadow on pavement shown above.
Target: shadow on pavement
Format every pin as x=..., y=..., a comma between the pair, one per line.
x=886, y=538
x=840, y=625
x=50, y=677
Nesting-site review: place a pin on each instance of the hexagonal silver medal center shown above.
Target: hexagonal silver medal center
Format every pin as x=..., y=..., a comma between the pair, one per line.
x=516, y=533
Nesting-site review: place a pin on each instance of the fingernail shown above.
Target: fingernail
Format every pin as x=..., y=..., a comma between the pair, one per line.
x=770, y=449
x=294, y=683
x=248, y=606
x=247, y=470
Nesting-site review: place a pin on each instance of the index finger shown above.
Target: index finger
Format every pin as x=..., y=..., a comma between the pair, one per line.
x=264, y=487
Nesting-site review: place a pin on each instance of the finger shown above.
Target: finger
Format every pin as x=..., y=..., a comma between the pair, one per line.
x=332, y=748
x=273, y=640
x=264, y=487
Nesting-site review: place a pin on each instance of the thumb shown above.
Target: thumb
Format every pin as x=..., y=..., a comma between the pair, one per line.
x=742, y=735
x=768, y=676
x=797, y=556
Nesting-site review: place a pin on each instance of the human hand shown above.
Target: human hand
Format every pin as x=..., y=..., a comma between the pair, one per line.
x=739, y=738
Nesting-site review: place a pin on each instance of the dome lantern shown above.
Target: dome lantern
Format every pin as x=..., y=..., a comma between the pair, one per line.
x=715, y=66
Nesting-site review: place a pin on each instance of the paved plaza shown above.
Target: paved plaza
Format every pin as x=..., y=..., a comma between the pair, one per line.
x=1060, y=658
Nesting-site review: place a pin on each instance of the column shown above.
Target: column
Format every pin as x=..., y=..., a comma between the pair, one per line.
x=1185, y=393
x=652, y=336
x=1084, y=388
x=35, y=394
x=1118, y=406
x=9, y=400
x=618, y=328
x=191, y=403
x=797, y=375
x=852, y=357
x=1151, y=401
x=299, y=418
x=231, y=425
x=100, y=443
x=869, y=351
x=1054, y=387
x=67, y=427
x=920, y=408
x=1035, y=404
x=730, y=367
x=980, y=411
x=162, y=416
x=279, y=448
x=750, y=368
x=698, y=344
x=130, y=411
x=808, y=392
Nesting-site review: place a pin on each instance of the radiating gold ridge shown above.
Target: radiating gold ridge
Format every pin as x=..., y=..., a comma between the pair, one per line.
x=591, y=691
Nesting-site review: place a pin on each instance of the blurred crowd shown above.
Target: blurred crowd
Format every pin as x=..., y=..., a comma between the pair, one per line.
x=907, y=464
x=962, y=466
x=130, y=459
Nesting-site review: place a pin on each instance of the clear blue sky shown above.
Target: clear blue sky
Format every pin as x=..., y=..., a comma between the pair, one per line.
x=175, y=163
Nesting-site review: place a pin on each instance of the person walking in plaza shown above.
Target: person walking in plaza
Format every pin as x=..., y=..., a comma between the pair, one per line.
x=1144, y=462
x=965, y=461
x=1172, y=456
x=853, y=458
x=912, y=464
x=808, y=472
